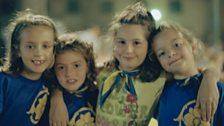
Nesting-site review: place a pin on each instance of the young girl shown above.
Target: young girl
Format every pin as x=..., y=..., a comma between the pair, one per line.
x=75, y=71
x=23, y=93
x=130, y=90
x=177, y=51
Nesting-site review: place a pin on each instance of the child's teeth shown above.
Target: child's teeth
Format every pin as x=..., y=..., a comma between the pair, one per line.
x=37, y=62
x=71, y=81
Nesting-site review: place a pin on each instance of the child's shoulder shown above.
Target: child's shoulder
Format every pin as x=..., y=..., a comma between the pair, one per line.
x=4, y=75
x=7, y=79
x=160, y=79
x=103, y=74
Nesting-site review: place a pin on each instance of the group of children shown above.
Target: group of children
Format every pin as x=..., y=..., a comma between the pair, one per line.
x=154, y=73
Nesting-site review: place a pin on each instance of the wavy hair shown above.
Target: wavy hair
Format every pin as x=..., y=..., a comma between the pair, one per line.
x=70, y=41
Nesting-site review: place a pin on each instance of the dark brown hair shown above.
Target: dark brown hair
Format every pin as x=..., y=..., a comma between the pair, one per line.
x=72, y=42
x=136, y=14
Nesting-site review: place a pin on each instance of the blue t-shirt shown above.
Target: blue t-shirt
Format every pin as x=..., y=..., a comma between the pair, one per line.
x=22, y=101
x=81, y=107
x=176, y=106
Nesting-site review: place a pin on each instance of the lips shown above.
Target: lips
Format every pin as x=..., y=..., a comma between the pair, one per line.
x=38, y=62
x=174, y=61
x=128, y=58
x=71, y=81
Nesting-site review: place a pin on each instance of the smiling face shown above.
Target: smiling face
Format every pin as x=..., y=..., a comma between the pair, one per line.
x=71, y=69
x=174, y=53
x=36, y=50
x=130, y=46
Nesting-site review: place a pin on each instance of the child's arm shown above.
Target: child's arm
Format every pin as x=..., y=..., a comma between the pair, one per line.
x=208, y=94
x=58, y=115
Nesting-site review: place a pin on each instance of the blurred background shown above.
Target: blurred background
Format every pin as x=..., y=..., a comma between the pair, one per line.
x=91, y=18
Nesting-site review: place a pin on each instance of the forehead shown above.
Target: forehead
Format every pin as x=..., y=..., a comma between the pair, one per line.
x=40, y=32
x=166, y=37
x=69, y=54
x=168, y=34
x=132, y=30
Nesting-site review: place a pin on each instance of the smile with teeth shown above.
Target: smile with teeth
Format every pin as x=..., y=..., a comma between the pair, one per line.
x=37, y=62
x=71, y=80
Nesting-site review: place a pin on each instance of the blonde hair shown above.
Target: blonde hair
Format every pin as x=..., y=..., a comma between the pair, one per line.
x=196, y=43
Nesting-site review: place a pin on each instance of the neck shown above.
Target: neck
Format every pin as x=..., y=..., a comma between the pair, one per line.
x=30, y=76
x=185, y=74
x=127, y=69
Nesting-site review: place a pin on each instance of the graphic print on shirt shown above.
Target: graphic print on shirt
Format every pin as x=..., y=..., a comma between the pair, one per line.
x=38, y=105
x=190, y=116
x=83, y=117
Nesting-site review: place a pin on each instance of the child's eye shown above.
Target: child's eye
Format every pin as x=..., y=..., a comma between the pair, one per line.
x=47, y=46
x=137, y=42
x=60, y=67
x=160, y=54
x=29, y=46
x=121, y=42
x=77, y=65
x=178, y=45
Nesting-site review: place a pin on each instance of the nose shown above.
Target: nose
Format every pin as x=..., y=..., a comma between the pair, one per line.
x=171, y=54
x=130, y=48
x=38, y=51
x=68, y=72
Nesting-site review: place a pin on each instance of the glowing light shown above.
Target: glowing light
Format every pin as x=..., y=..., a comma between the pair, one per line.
x=156, y=14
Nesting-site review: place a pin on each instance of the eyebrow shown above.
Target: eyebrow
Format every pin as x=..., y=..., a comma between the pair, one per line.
x=45, y=42
x=119, y=38
x=78, y=61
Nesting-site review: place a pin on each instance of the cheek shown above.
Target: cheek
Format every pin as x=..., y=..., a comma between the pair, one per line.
x=23, y=52
x=116, y=49
x=116, y=52
x=119, y=48
x=162, y=62
x=50, y=53
x=144, y=51
x=59, y=75
x=84, y=76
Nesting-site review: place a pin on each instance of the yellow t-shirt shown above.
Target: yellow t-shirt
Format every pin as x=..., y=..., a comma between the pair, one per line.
x=121, y=109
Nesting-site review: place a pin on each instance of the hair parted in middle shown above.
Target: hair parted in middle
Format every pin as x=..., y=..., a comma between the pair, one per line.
x=136, y=14
x=24, y=19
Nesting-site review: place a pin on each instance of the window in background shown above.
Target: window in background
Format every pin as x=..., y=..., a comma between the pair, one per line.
x=73, y=6
x=106, y=7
